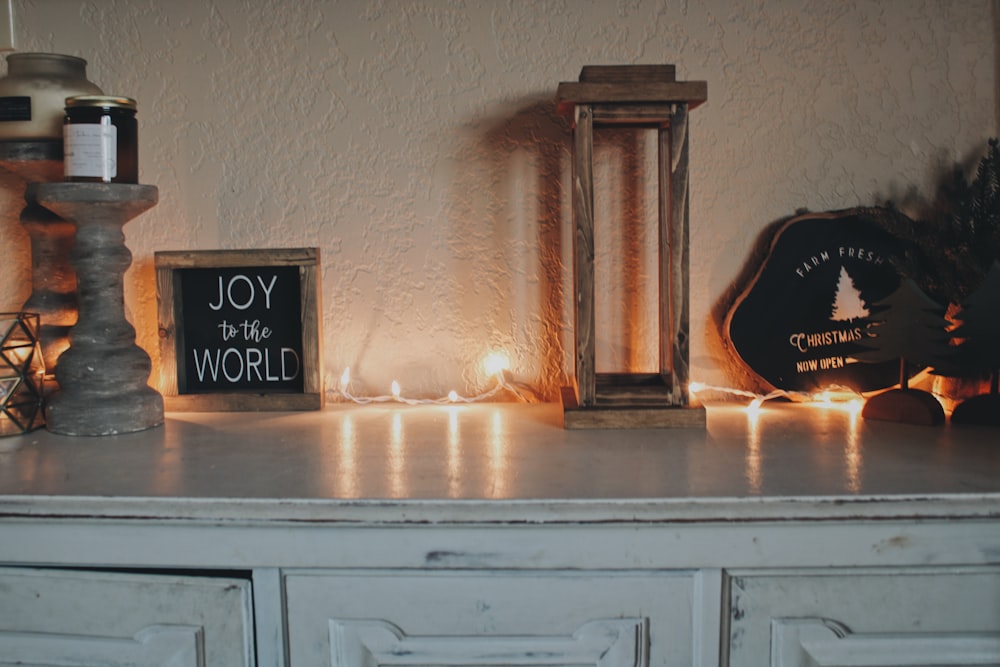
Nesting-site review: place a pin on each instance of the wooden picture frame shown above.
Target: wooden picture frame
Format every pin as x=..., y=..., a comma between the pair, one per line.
x=239, y=330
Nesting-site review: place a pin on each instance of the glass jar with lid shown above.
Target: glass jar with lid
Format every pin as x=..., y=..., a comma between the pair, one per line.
x=100, y=139
x=34, y=92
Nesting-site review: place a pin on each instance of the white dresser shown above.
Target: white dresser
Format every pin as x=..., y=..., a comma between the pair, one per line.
x=487, y=535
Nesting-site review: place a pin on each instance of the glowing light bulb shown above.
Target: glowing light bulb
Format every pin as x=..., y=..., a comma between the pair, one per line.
x=452, y=395
x=695, y=387
x=395, y=390
x=345, y=378
x=496, y=363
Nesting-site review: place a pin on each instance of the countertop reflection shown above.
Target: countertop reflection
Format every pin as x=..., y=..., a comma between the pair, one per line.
x=513, y=452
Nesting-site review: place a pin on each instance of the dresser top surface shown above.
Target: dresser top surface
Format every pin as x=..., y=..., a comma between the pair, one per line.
x=506, y=460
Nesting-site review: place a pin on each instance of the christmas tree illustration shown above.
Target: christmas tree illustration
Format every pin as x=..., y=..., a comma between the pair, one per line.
x=911, y=327
x=847, y=302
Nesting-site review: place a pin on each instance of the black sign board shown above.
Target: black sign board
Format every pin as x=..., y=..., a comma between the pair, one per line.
x=239, y=329
x=808, y=311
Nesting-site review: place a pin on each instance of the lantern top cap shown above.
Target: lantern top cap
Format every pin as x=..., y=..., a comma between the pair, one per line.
x=624, y=74
x=628, y=84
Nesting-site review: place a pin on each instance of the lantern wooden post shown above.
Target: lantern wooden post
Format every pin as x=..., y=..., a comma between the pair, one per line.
x=641, y=96
x=585, y=329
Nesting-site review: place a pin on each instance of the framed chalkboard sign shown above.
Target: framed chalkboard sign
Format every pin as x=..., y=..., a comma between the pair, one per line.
x=239, y=329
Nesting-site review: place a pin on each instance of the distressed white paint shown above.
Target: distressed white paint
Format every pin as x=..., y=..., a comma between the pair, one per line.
x=824, y=643
x=901, y=616
x=416, y=144
x=490, y=617
x=603, y=643
x=151, y=647
x=60, y=617
x=490, y=531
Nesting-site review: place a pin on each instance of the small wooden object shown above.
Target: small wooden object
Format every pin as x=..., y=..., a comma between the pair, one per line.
x=642, y=96
x=287, y=326
x=908, y=406
x=103, y=375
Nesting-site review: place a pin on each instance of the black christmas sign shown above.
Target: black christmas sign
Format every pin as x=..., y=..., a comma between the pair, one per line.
x=241, y=329
x=807, y=315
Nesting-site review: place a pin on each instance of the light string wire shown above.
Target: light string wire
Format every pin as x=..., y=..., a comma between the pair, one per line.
x=503, y=384
x=497, y=367
x=831, y=396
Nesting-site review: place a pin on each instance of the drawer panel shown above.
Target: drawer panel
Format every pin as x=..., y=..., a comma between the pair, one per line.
x=103, y=618
x=865, y=617
x=362, y=619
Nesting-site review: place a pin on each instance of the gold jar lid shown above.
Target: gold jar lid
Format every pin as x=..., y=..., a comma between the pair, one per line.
x=102, y=101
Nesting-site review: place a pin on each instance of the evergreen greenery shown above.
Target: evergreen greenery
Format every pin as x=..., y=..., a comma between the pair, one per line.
x=951, y=249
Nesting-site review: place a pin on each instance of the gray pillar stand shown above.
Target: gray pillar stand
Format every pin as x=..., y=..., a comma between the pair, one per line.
x=103, y=375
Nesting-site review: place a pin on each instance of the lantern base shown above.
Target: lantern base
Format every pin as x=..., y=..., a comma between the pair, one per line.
x=622, y=415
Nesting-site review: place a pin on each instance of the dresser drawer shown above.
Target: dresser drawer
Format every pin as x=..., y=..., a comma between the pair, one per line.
x=65, y=617
x=354, y=619
x=865, y=617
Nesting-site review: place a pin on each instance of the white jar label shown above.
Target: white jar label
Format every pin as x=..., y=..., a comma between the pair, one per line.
x=91, y=151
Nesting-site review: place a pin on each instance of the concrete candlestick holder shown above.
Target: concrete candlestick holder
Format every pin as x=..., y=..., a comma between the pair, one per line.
x=103, y=376
x=53, y=281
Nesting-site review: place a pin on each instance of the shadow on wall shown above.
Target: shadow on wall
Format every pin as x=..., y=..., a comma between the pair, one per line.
x=996, y=70
x=531, y=239
x=716, y=341
x=528, y=151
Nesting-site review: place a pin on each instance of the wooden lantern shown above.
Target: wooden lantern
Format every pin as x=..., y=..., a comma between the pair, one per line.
x=640, y=96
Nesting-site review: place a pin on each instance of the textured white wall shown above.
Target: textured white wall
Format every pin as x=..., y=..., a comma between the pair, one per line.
x=415, y=142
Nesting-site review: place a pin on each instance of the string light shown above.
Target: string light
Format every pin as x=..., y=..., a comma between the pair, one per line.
x=496, y=364
x=830, y=397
